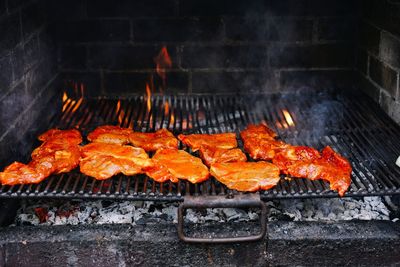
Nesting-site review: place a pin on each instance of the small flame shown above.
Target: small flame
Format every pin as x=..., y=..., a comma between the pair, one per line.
x=64, y=97
x=163, y=62
x=148, y=97
x=120, y=112
x=288, y=117
x=167, y=112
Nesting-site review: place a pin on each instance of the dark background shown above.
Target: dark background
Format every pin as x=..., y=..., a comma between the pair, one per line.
x=216, y=46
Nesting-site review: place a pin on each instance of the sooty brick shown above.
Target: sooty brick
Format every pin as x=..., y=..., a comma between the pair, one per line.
x=6, y=76
x=92, y=30
x=326, y=55
x=247, y=29
x=73, y=56
x=129, y=8
x=361, y=61
x=32, y=18
x=56, y=10
x=369, y=88
x=383, y=75
x=10, y=32
x=389, y=50
x=220, y=8
x=238, y=56
x=126, y=57
x=370, y=37
x=336, y=29
x=177, y=30
x=290, y=29
x=90, y=80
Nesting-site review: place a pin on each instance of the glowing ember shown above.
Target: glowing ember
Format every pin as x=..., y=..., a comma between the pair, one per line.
x=64, y=97
x=288, y=117
x=148, y=97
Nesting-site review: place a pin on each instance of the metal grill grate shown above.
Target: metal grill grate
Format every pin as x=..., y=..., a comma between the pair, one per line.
x=353, y=126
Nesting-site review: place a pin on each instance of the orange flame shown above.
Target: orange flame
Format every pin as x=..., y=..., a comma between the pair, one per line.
x=148, y=97
x=288, y=117
x=163, y=62
x=167, y=112
x=67, y=101
x=64, y=97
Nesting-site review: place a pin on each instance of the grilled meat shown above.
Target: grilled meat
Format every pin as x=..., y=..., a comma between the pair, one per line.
x=211, y=155
x=173, y=164
x=110, y=134
x=58, y=153
x=102, y=160
x=304, y=162
x=259, y=141
x=195, y=141
x=154, y=141
x=246, y=176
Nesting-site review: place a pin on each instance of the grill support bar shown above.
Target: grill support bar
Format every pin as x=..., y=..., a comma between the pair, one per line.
x=228, y=201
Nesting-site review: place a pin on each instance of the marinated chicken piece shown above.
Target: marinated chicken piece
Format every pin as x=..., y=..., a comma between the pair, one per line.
x=154, y=141
x=173, y=164
x=58, y=153
x=246, y=176
x=289, y=155
x=110, y=134
x=211, y=155
x=259, y=141
x=102, y=160
x=330, y=166
x=195, y=141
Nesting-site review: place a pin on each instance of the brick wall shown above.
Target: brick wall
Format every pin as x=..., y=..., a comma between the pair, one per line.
x=378, y=53
x=26, y=67
x=216, y=46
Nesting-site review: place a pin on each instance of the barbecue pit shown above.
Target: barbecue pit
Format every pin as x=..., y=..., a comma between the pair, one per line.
x=317, y=74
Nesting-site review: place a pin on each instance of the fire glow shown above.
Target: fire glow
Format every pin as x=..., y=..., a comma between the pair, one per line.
x=75, y=104
x=288, y=118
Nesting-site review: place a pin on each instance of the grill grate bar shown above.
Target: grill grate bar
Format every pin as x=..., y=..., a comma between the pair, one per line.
x=355, y=127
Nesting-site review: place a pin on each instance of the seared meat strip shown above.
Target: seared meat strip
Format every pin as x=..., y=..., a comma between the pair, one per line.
x=154, y=141
x=246, y=176
x=304, y=162
x=59, y=152
x=173, y=164
x=211, y=155
x=195, y=141
x=110, y=134
x=259, y=141
x=102, y=160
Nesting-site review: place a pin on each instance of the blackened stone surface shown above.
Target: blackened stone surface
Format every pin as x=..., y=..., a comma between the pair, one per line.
x=6, y=77
x=127, y=57
x=178, y=30
x=362, y=60
x=316, y=244
x=244, y=56
x=389, y=50
x=32, y=17
x=383, y=75
x=370, y=37
x=76, y=9
x=318, y=79
x=326, y=55
x=234, y=81
x=290, y=29
x=90, y=80
x=247, y=29
x=129, y=83
x=10, y=32
x=369, y=88
x=73, y=57
x=92, y=30
x=128, y=8
x=336, y=29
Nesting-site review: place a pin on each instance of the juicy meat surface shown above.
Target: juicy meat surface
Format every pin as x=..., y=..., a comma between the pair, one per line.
x=246, y=176
x=103, y=160
x=259, y=141
x=154, y=141
x=110, y=134
x=59, y=152
x=329, y=166
x=211, y=155
x=223, y=140
x=173, y=164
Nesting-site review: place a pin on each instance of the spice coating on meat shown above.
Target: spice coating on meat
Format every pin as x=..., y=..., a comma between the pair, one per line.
x=173, y=164
x=154, y=141
x=58, y=153
x=246, y=176
x=102, y=160
x=259, y=141
x=303, y=162
x=223, y=140
x=110, y=134
x=211, y=155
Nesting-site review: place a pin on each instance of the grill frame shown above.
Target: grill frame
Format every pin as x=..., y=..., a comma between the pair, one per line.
x=361, y=134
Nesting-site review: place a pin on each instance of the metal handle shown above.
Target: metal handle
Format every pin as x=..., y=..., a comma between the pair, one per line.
x=237, y=201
